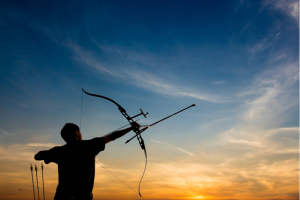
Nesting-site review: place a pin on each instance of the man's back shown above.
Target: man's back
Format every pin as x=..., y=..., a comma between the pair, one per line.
x=76, y=166
x=76, y=161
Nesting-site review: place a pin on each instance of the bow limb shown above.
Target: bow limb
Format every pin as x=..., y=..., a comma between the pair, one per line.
x=123, y=111
x=96, y=95
x=144, y=171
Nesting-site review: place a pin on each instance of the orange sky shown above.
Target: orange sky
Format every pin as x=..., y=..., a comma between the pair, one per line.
x=237, y=60
x=261, y=172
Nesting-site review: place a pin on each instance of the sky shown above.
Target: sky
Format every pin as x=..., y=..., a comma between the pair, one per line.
x=237, y=60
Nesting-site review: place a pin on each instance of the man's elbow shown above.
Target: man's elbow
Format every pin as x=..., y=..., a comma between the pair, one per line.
x=39, y=155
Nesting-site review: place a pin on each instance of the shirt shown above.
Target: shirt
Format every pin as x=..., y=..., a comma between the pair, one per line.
x=76, y=165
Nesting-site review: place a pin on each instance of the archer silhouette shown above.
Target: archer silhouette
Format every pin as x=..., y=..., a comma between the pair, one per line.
x=76, y=161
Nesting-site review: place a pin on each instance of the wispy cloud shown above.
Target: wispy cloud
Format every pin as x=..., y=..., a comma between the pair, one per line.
x=273, y=140
x=259, y=156
x=273, y=92
x=290, y=7
x=180, y=149
x=15, y=152
x=153, y=83
x=239, y=5
x=239, y=138
x=250, y=177
x=22, y=151
x=259, y=46
x=89, y=59
x=138, y=77
x=41, y=145
x=5, y=132
x=218, y=82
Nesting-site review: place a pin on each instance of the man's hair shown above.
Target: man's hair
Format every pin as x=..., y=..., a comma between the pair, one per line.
x=68, y=132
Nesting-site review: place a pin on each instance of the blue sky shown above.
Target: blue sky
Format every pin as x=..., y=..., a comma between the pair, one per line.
x=236, y=60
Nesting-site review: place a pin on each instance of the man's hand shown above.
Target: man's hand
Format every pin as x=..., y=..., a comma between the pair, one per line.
x=135, y=125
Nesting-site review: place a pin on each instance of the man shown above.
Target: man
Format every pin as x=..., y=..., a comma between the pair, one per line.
x=76, y=162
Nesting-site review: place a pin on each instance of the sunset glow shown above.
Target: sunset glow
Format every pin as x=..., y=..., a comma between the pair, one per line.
x=237, y=60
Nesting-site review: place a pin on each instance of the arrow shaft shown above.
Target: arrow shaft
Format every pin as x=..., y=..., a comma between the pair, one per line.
x=142, y=130
x=172, y=115
x=33, y=184
x=37, y=185
x=43, y=182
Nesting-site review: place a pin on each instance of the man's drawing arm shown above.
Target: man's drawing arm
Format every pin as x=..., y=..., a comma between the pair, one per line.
x=46, y=155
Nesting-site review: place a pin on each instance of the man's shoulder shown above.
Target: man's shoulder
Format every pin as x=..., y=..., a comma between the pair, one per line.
x=96, y=144
x=96, y=140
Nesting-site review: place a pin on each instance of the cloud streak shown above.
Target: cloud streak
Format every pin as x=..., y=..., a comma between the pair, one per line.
x=41, y=145
x=139, y=78
x=180, y=149
x=5, y=132
x=273, y=92
x=290, y=7
x=218, y=82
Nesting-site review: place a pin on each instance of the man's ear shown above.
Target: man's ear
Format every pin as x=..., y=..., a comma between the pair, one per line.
x=78, y=135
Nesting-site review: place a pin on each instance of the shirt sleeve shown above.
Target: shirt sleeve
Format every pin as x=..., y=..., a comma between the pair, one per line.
x=97, y=144
x=53, y=155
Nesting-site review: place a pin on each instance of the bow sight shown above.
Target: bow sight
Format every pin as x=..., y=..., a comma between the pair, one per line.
x=142, y=113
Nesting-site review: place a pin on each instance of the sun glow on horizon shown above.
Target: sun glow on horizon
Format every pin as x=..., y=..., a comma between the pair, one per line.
x=237, y=60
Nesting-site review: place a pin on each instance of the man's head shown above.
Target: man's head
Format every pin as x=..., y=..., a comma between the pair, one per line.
x=70, y=132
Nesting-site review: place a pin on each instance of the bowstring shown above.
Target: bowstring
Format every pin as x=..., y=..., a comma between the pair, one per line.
x=116, y=177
